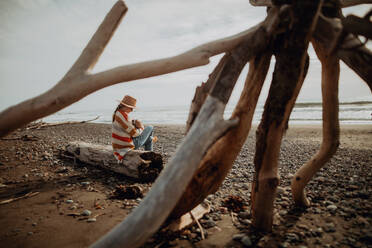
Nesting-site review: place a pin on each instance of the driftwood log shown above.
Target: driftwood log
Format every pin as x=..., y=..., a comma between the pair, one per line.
x=141, y=165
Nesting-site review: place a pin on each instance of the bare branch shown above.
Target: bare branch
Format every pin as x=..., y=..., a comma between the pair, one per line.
x=98, y=42
x=202, y=92
x=357, y=25
x=350, y=3
x=265, y=3
x=344, y=3
x=351, y=50
x=331, y=128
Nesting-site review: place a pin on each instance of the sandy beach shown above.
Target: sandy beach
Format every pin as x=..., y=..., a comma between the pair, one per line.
x=340, y=214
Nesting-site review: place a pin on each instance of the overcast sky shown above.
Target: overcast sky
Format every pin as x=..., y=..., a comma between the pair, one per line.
x=41, y=39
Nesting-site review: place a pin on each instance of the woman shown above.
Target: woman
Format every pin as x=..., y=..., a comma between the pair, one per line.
x=129, y=134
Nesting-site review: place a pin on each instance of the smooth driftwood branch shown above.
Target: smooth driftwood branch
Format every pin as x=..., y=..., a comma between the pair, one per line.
x=264, y=3
x=290, y=50
x=351, y=50
x=350, y=3
x=202, y=92
x=331, y=128
x=100, y=39
x=75, y=86
x=357, y=25
x=343, y=3
x=220, y=157
x=71, y=88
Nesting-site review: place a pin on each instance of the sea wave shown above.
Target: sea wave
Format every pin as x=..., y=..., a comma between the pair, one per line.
x=309, y=112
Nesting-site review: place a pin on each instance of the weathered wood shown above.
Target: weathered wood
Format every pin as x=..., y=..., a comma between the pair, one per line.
x=78, y=83
x=264, y=3
x=202, y=92
x=343, y=3
x=357, y=25
x=220, y=157
x=142, y=165
x=350, y=3
x=351, y=50
x=73, y=85
x=331, y=127
x=189, y=218
x=91, y=53
x=291, y=64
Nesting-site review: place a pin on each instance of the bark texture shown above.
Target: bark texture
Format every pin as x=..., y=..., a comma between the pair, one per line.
x=141, y=165
x=202, y=92
x=290, y=51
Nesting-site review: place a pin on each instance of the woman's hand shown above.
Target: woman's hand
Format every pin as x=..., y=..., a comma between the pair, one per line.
x=138, y=124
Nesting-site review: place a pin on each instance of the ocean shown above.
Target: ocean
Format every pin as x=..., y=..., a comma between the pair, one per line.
x=358, y=112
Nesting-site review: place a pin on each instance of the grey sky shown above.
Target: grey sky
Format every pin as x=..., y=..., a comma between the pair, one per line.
x=41, y=39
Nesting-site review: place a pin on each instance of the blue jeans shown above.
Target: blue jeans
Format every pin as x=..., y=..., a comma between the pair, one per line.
x=144, y=139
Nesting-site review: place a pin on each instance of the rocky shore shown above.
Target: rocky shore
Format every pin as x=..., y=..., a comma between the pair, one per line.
x=70, y=204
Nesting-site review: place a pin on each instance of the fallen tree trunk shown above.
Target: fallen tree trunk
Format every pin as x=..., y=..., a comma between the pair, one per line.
x=142, y=165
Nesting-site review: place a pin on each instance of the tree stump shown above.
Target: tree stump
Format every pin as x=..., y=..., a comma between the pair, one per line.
x=141, y=165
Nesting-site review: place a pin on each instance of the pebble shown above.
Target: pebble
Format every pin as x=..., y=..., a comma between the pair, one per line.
x=292, y=237
x=91, y=220
x=34, y=224
x=85, y=183
x=209, y=224
x=30, y=233
x=329, y=227
x=332, y=207
x=280, y=190
x=69, y=201
x=283, y=212
x=246, y=241
x=317, y=211
x=238, y=236
x=86, y=212
x=244, y=215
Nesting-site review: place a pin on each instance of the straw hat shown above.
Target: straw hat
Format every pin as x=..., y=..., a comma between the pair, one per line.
x=129, y=101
